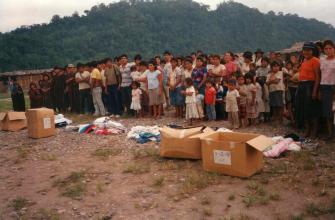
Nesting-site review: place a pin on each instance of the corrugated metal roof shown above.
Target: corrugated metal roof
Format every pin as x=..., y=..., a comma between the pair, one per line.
x=25, y=72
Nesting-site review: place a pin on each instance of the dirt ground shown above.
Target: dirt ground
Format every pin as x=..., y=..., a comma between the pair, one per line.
x=73, y=176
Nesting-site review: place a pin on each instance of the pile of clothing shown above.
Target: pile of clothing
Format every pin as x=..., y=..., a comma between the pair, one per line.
x=282, y=144
x=61, y=121
x=144, y=134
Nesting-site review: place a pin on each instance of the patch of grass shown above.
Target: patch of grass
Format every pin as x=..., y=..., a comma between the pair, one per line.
x=49, y=157
x=72, y=186
x=208, y=212
x=22, y=152
x=196, y=180
x=105, y=153
x=304, y=160
x=145, y=205
x=158, y=181
x=75, y=191
x=316, y=210
x=205, y=200
x=169, y=165
x=258, y=195
x=45, y=214
x=19, y=203
x=145, y=152
x=231, y=197
x=297, y=217
x=100, y=188
x=136, y=168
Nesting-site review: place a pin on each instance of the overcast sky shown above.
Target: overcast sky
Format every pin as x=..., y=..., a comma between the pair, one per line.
x=14, y=13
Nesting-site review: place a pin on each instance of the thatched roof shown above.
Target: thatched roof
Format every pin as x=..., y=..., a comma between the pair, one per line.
x=25, y=72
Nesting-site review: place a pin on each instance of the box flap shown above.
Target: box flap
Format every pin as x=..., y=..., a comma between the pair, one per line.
x=260, y=143
x=16, y=116
x=2, y=115
x=179, y=133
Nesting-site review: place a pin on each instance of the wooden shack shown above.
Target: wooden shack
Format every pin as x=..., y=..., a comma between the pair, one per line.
x=23, y=77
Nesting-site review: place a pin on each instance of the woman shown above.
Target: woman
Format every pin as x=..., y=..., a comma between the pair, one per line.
x=199, y=75
x=307, y=106
x=247, y=60
x=17, y=96
x=35, y=95
x=327, y=66
x=155, y=88
x=230, y=65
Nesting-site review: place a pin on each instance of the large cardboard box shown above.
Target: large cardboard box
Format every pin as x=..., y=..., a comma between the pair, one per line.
x=41, y=122
x=13, y=121
x=235, y=154
x=182, y=143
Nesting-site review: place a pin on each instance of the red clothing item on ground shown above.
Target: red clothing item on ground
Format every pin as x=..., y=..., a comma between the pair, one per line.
x=210, y=96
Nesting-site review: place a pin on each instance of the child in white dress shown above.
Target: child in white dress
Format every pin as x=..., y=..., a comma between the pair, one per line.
x=136, y=93
x=232, y=99
x=191, y=102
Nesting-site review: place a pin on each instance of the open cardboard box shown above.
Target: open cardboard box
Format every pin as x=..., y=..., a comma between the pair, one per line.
x=41, y=122
x=182, y=143
x=235, y=154
x=13, y=121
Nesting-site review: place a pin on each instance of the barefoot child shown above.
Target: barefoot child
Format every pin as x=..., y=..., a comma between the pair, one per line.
x=242, y=107
x=232, y=104
x=210, y=96
x=251, y=99
x=136, y=93
x=190, y=100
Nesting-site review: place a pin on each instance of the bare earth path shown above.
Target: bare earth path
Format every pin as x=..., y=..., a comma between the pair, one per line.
x=72, y=176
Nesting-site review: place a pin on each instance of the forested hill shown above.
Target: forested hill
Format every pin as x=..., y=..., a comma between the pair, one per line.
x=150, y=27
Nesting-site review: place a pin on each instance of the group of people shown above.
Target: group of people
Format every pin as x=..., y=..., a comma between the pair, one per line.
x=246, y=89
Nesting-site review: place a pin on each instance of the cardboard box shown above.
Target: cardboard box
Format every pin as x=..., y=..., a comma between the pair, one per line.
x=235, y=154
x=13, y=121
x=182, y=143
x=41, y=122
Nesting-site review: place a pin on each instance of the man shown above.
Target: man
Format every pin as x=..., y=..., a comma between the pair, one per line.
x=96, y=88
x=72, y=89
x=126, y=80
x=59, y=90
x=83, y=80
x=113, y=80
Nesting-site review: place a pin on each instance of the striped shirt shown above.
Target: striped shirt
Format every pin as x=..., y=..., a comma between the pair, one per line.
x=125, y=74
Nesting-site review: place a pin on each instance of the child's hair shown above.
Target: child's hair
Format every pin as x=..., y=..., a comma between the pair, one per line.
x=239, y=75
x=143, y=63
x=232, y=82
x=135, y=83
x=274, y=63
x=261, y=81
x=188, y=81
x=133, y=68
x=174, y=60
x=265, y=59
x=328, y=43
x=208, y=81
x=249, y=76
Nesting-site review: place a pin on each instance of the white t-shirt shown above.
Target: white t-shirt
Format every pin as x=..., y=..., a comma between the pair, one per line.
x=135, y=75
x=83, y=85
x=231, y=101
x=327, y=71
x=173, y=74
x=192, y=98
x=276, y=87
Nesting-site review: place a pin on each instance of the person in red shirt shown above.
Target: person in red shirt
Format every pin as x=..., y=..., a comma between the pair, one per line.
x=308, y=107
x=210, y=94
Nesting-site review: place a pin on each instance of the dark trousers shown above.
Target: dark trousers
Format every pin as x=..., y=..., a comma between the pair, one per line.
x=113, y=106
x=306, y=108
x=85, y=100
x=126, y=98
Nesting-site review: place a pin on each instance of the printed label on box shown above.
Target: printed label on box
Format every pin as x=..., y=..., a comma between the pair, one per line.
x=222, y=157
x=47, y=123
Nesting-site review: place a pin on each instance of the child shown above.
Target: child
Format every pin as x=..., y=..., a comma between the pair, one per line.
x=200, y=104
x=190, y=100
x=243, y=100
x=292, y=85
x=219, y=105
x=232, y=104
x=136, y=93
x=210, y=96
x=134, y=73
x=251, y=98
x=276, y=88
x=264, y=69
x=259, y=99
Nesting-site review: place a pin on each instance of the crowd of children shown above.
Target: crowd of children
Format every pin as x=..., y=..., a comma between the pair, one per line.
x=247, y=90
